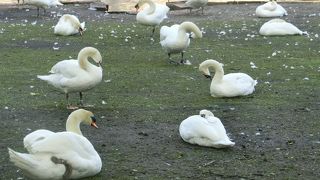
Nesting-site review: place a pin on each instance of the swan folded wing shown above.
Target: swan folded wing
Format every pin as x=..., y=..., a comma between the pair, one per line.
x=239, y=84
x=161, y=12
x=67, y=68
x=35, y=137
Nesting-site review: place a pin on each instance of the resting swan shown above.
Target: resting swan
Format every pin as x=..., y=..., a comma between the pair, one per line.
x=152, y=15
x=270, y=9
x=76, y=75
x=278, y=27
x=204, y=130
x=176, y=39
x=61, y=155
x=196, y=4
x=229, y=85
x=68, y=25
x=43, y=4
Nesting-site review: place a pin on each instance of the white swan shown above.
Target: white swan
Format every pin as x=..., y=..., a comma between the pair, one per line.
x=278, y=27
x=43, y=4
x=76, y=75
x=204, y=130
x=68, y=25
x=270, y=9
x=176, y=39
x=152, y=15
x=229, y=85
x=61, y=155
x=196, y=4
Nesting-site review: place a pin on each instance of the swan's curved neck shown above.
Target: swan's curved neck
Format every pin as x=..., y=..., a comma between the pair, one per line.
x=219, y=73
x=188, y=27
x=152, y=6
x=83, y=59
x=73, y=124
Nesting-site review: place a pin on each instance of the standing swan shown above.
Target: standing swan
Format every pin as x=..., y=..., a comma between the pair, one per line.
x=76, y=75
x=229, y=85
x=204, y=130
x=176, y=39
x=271, y=9
x=152, y=15
x=43, y=4
x=195, y=4
x=61, y=155
x=69, y=25
x=279, y=27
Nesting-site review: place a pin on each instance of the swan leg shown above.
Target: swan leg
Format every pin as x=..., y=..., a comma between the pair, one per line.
x=182, y=61
x=68, y=167
x=171, y=61
x=81, y=100
x=153, y=30
x=69, y=106
x=38, y=11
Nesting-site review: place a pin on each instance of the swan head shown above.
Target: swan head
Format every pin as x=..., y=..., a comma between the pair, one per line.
x=93, y=53
x=206, y=113
x=139, y=4
x=84, y=116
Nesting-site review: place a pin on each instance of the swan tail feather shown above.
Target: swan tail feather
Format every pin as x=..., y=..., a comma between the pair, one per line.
x=45, y=78
x=23, y=161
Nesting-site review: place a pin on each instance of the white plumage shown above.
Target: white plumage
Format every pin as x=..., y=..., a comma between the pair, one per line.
x=61, y=155
x=68, y=25
x=271, y=9
x=196, y=4
x=279, y=27
x=43, y=4
x=229, y=85
x=204, y=130
x=176, y=39
x=152, y=15
x=76, y=75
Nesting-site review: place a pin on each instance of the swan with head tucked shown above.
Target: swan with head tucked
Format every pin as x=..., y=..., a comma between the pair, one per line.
x=152, y=15
x=61, y=155
x=76, y=75
x=176, y=39
x=43, y=4
x=271, y=9
x=279, y=27
x=68, y=25
x=229, y=85
x=204, y=130
x=196, y=4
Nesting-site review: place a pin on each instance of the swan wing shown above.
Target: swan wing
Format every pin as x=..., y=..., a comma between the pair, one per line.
x=238, y=84
x=67, y=68
x=34, y=137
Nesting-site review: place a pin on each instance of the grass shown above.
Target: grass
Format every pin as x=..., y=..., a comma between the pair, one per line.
x=146, y=94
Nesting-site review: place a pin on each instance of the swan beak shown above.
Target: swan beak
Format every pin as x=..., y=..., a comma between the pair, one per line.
x=80, y=31
x=137, y=7
x=99, y=64
x=208, y=76
x=93, y=124
x=202, y=115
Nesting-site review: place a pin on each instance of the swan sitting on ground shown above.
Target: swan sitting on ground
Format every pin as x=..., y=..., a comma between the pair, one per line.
x=196, y=4
x=76, y=75
x=204, y=130
x=61, y=155
x=152, y=15
x=43, y=4
x=176, y=39
x=229, y=85
x=69, y=25
x=278, y=27
x=271, y=9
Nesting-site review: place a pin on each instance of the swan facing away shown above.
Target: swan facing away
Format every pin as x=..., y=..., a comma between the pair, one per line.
x=196, y=4
x=76, y=75
x=271, y=9
x=61, y=155
x=176, y=39
x=68, y=25
x=279, y=27
x=152, y=15
x=229, y=85
x=43, y=4
x=204, y=130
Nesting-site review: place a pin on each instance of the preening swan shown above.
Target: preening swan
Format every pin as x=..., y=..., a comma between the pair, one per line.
x=271, y=9
x=279, y=27
x=68, y=25
x=196, y=4
x=76, y=75
x=152, y=15
x=229, y=85
x=176, y=39
x=43, y=4
x=204, y=130
x=61, y=155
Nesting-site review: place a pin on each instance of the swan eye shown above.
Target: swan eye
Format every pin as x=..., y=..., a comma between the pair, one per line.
x=203, y=115
x=93, y=119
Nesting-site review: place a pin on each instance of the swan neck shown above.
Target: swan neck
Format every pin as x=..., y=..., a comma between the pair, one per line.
x=83, y=60
x=219, y=73
x=73, y=124
x=152, y=6
x=188, y=27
